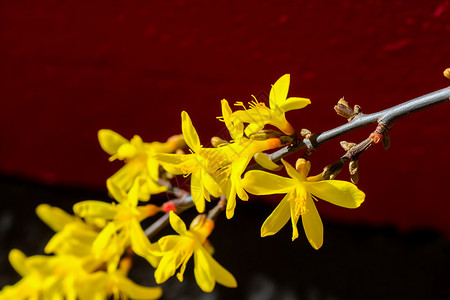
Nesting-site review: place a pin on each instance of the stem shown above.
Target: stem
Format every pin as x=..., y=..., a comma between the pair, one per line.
x=385, y=118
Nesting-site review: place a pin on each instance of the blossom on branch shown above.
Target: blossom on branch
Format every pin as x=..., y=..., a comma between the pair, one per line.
x=139, y=160
x=121, y=224
x=301, y=191
x=259, y=115
x=176, y=250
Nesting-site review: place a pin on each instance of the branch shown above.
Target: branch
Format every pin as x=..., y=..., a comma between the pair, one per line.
x=384, y=118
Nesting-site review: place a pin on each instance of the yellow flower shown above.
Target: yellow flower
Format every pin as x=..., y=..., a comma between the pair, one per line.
x=139, y=160
x=66, y=277
x=300, y=192
x=122, y=227
x=215, y=171
x=176, y=250
x=239, y=154
x=260, y=115
x=73, y=236
x=204, y=165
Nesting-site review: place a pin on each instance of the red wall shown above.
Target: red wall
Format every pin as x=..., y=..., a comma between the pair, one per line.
x=69, y=68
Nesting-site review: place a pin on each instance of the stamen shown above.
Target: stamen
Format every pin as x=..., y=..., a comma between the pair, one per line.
x=240, y=103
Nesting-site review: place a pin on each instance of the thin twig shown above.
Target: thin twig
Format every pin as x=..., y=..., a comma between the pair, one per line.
x=384, y=118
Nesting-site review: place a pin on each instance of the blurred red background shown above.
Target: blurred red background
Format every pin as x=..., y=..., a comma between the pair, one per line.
x=70, y=68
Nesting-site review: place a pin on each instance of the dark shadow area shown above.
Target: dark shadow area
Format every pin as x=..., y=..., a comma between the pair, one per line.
x=355, y=262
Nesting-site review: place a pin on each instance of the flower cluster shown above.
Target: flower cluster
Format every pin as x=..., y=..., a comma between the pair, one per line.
x=92, y=251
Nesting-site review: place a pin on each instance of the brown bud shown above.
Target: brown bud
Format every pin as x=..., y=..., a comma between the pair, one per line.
x=447, y=73
x=305, y=133
x=354, y=173
x=343, y=109
x=331, y=171
x=347, y=145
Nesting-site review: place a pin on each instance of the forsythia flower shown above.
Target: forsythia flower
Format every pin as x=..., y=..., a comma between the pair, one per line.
x=300, y=192
x=177, y=250
x=139, y=160
x=240, y=152
x=260, y=115
x=65, y=277
x=123, y=224
x=215, y=171
x=73, y=236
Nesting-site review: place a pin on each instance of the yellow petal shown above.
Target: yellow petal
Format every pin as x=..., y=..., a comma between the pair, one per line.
x=197, y=191
x=202, y=271
x=116, y=192
x=138, y=292
x=231, y=203
x=176, y=223
x=110, y=141
x=312, y=224
x=189, y=132
x=95, y=209
x=341, y=193
x=169, y=242
x=141, y=244
x=166, y=268
x=235, y=126
x=221, y=275
x=294, y=215
x=54, y=217
x=279, y=91
x=278, y=218
x=17, y=260
x=178, y=164
x=255, y=127
x=125, y=176
x=294, y=103
x=153, y=168
x=264, y=161
x=293, y=172
x=263, y=183
x=103, y=239
x=210, y=184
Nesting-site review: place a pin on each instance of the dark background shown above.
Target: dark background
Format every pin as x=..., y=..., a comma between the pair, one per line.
x=70, y=68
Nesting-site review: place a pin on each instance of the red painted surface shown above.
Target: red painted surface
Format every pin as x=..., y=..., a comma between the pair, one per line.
x=70, y=68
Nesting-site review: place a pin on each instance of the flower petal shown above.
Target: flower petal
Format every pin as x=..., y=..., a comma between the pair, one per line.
x=279, y=91
x=264, y=183
x=166, y=268
x=110, y=141
x=177, y=164
x=221, y=275
x=337, y=192
x=312, y=224
x=264, y=161
x=235, y=127
x=294, y=216
x=278, y=218
x=202, y=270
x=177, y=224
x=54, y=217
x=294, y=103
x=17, y=260
x=135, y=291
x=197, y=189
x=141, y=244
x=95, y=209
x=293, y=172
x=189, y=132
x=116, y=192
x=210, y=184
